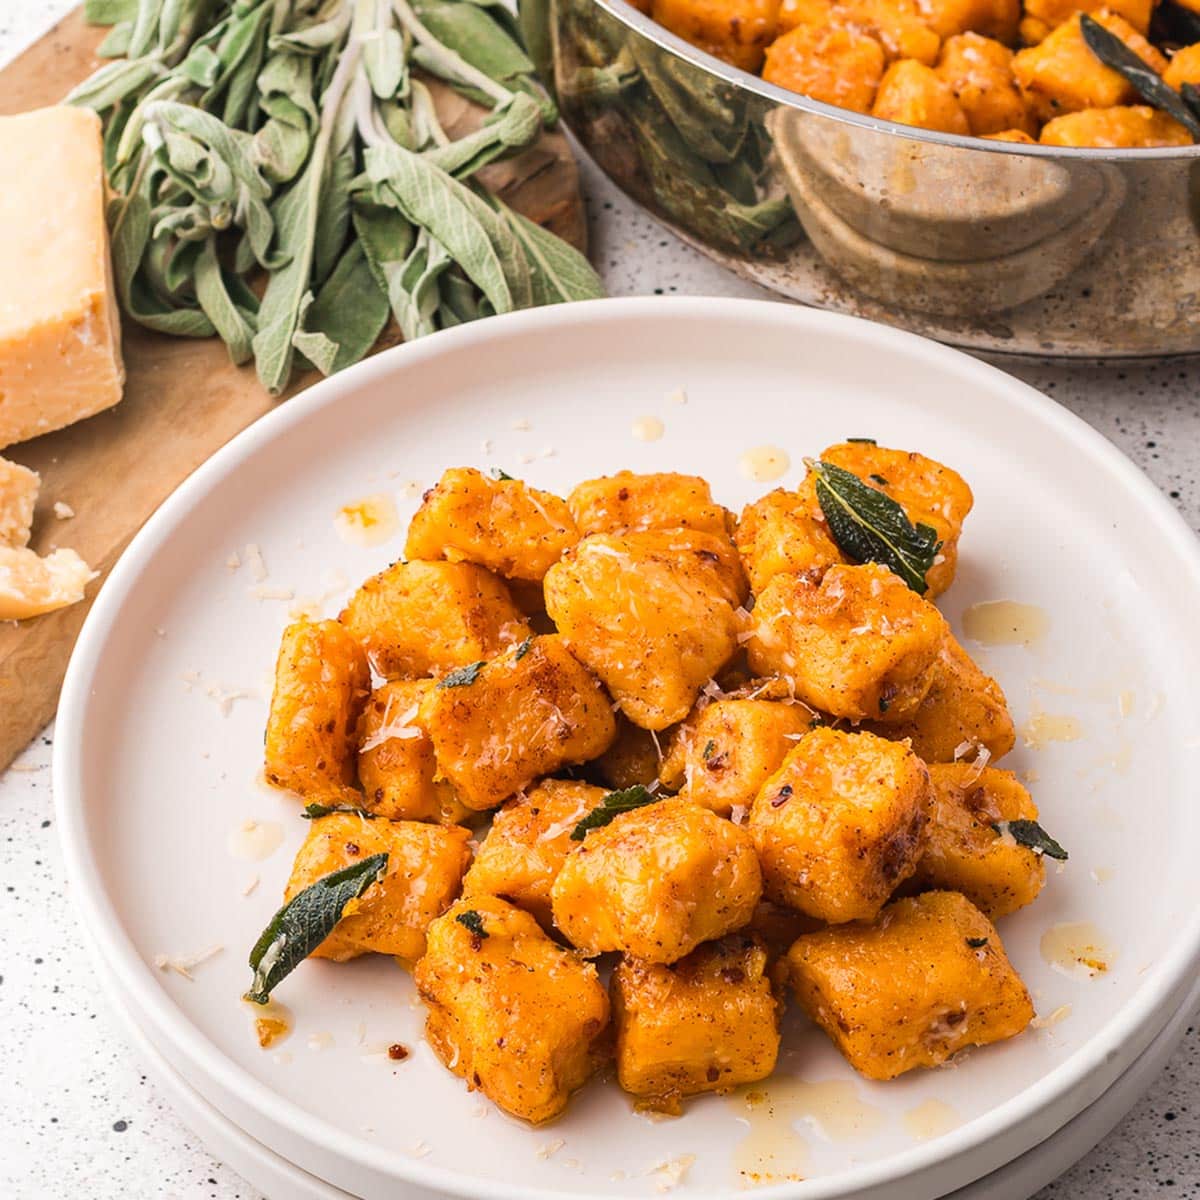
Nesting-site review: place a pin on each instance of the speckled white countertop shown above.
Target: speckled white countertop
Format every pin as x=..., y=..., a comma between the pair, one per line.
x=77, y=1115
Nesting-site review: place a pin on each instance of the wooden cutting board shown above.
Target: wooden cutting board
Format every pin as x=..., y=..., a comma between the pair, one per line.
x=183, y=399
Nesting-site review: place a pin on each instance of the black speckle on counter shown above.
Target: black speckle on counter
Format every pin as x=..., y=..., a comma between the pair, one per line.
x=120, y=1126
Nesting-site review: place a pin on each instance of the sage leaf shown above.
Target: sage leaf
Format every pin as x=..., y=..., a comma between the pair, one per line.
x=472, y=921
x=516, y=125
x=477, y=239
x=385, y=61
x=349, y=312
x=110, y=12
x=869, y=526
x=113, y=83
x=463, y=676
x=615, y=803
x=313, y=812
x=1033, y=837
x=218, y=305
x=559, y=272
x=305, y=921
x=1145, y=80
x=116, y=44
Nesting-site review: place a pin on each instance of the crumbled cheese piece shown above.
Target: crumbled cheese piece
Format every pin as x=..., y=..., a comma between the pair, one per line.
x=184, y=964
x=224, y=698
x=254, y=559
x=401, y=727
x=549, y=1149
x=233, y=561
x=738, y=813
x=521, y=425
x=262, y=591
x=320, y=1041
x=671, y=1173
x=63, y=511
x=548, y=452
x=30, y=585
x=525, y=459
x=18, y=495
x=419, y=1150
x=485, y=447
x=250, y=887
x=678, y=396
x=1061, y=1013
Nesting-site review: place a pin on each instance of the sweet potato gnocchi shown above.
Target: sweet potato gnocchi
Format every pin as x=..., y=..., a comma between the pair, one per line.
x=1005, y=70
x=731, y=761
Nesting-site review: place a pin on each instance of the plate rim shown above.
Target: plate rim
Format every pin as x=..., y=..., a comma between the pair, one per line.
x=1128, y=1027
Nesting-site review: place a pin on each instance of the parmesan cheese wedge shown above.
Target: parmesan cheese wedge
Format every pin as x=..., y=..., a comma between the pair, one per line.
x=60, y=338
x=30, y=586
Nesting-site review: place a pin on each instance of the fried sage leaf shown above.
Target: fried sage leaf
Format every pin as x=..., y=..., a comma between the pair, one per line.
x=615, y=803
x=305, y=921
x=1147, y=82
x=869, y=526
x=463, y=676
x=472, y=921
x=314, y=812
x=1033, y=837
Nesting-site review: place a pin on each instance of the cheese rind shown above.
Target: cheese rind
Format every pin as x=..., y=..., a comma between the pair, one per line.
x=18, y=494
x=60, y=344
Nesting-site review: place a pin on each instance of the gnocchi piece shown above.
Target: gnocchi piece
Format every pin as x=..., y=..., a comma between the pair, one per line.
x=396, y=765
x=784, y=533
x=1061, y=74
x=632, y=759
x=928, y=491
x=829, y=63
x=498, y=726
x=964, y=852
x=528, y=843
x=737, y=31
x=993, y=18
x=657, y=882
x=900, y=26
x=803, y=12
x=979, y=70
x=502, y=524
x=963, y=708
x=514, y=1014
x=423, y=876
x=651, y=613
x=703, y=1024
x=627, y=502
x=425, y=618
x=1122, y=127
x=1011, y=135
x=724, y=752
x=912, y=94
x=1184, y=66
x=841, y=824
x=321, y=683
x=927, y=979
x=1052, y=13
x=858, y=644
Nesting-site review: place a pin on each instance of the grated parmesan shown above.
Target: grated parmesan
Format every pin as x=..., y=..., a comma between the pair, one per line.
x=671, y=1173
x=257, y=564
x=184, y=964
x=63, y=511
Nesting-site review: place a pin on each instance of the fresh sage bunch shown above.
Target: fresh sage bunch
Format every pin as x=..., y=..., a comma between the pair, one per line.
x=280, y=177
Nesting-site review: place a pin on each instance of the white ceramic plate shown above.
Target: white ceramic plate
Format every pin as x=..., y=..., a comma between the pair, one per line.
x=279, y=1179
x=152, y=777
